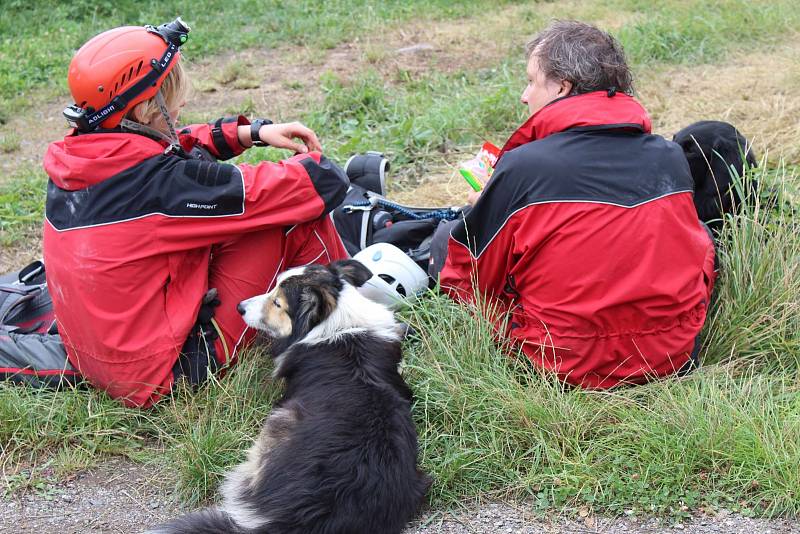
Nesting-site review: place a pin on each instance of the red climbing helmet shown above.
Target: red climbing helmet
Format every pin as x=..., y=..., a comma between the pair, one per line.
x=119, y=68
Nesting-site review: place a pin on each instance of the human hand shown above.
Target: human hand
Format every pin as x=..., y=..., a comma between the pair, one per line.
x=473, y=197
x=282, y=135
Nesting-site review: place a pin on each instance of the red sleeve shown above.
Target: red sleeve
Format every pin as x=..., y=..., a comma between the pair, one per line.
x=267, y=195
x=220, y=137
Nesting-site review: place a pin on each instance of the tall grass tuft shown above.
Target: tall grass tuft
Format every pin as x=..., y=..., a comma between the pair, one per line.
x=209, y=431
x=194, y=435
x=756, y=313
x=491, y=427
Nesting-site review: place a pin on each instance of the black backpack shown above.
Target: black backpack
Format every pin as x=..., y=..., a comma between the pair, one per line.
x=366, y=216
x=31, y=351
x=25, y=303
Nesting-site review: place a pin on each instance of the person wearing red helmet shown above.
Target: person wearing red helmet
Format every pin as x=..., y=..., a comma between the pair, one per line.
x=149, y=240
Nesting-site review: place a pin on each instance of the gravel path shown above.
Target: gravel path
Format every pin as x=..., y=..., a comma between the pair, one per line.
x=122, y=497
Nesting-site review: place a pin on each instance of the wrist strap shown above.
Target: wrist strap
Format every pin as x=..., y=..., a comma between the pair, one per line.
x=255, y=126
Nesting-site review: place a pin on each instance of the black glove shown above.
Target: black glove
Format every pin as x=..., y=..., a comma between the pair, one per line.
x=210, y=301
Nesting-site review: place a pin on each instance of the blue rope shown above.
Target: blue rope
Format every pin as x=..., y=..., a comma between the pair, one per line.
x=444, y=214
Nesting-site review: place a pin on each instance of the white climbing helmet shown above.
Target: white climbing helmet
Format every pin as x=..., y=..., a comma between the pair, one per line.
x=395, y=276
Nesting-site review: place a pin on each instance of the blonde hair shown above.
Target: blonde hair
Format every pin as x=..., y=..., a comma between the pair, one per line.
x=175, y=89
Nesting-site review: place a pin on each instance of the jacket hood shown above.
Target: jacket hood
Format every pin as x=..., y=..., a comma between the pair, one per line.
x=80, y=161
x=595, y=109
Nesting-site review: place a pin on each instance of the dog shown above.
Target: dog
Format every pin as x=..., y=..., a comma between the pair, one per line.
x=338, y=452
x=713, y=149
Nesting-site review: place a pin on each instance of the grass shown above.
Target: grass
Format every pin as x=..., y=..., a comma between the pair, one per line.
x=702, y=31
x=21, y=204
x=9, y=143
x=196, y=434
x=491, y=426
x=760, y=283
x=419, y=120
x=420, y=123
x=33, y=60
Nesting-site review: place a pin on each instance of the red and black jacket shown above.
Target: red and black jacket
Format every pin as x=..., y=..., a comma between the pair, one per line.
x=128, y=236
x=588, y=237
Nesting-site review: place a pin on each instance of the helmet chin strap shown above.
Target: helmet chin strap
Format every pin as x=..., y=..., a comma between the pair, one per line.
x=172, y=138
x=162, y=105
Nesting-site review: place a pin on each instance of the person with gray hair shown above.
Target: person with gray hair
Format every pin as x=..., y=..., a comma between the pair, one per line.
x=586, y=238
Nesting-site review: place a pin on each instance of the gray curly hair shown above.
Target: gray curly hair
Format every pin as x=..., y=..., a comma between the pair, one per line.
x=582, y=54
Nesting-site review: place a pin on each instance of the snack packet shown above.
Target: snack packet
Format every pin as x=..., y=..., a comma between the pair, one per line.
x=479, y=169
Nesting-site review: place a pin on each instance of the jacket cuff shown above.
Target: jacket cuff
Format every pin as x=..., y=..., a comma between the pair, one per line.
x=225, y=136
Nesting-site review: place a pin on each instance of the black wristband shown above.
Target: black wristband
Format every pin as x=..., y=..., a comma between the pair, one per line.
x=255, y=126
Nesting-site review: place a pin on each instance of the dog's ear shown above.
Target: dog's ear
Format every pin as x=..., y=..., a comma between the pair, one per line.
x=698, y=164
x=351, y=271
x=314, y=306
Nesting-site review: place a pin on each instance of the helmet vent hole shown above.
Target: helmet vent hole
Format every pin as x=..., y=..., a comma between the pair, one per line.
x=122, y=81
x=139, y=68
x=130, y=73
x=391, y=280
x=116, y=86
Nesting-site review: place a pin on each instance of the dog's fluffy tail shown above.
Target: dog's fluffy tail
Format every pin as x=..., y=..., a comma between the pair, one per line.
x=208, y=521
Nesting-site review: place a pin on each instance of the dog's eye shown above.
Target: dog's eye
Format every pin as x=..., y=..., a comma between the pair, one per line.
x=276, y=303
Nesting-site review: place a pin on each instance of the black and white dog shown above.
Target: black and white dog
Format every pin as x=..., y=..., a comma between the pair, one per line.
x=338, y=453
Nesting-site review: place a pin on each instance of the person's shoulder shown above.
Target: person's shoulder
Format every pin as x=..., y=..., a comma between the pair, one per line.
x=668, y=151
x=542, y=158
x=532, y=150
x=658, y=141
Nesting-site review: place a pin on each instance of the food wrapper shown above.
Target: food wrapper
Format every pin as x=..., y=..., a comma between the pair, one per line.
x=478, y=170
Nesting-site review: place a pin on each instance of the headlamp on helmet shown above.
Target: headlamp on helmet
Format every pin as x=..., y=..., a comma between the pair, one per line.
x=175, y=32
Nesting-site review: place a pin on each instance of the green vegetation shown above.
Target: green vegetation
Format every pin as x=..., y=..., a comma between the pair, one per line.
x=758, y=316
x=196, y=434
x=416, y=122
x=701, y=31
x=21, y=204
x=39, y=37
x=9, y=143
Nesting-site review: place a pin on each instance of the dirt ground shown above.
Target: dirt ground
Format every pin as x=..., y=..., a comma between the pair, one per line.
x=122, y=497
